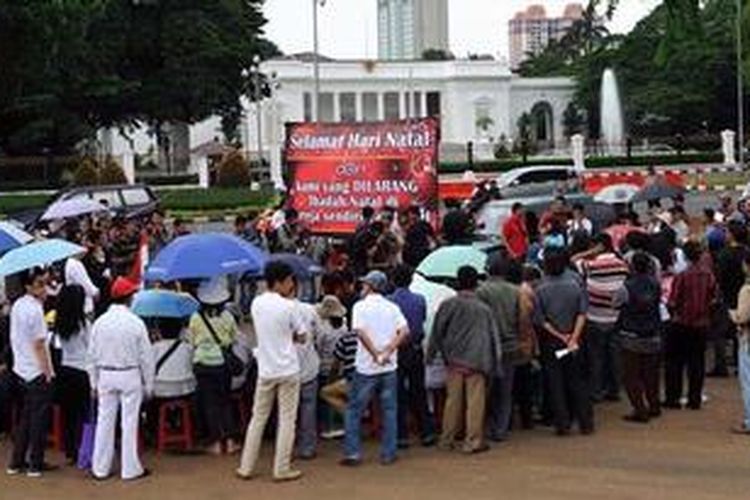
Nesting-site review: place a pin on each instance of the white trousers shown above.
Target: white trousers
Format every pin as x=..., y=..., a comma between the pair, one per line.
x=118, y=390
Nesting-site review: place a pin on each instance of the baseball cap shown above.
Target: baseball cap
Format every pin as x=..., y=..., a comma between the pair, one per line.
x=123, y=287
x=376, y=279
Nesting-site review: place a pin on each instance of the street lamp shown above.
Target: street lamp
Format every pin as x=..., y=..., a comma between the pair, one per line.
x=255, y=69
x=316, y=63
x=740, y=90
x=246, y=139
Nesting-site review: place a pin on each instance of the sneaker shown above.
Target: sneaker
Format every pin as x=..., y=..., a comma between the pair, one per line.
x=482, y=448
x=741, y=429
x=33, y=472
x=429, y=441
x=636, y=418
x=350, y=461
x=245, y=476
x=333, y=434
x=388, y=461
x=13, y=470
x=310, y=455
x=289, y=475
x=143, y=475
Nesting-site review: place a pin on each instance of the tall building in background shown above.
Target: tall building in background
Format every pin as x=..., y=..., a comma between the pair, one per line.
x=530, y=31
x=406, y=28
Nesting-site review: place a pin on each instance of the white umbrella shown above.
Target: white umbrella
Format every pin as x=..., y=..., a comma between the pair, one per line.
x=617, y=193
x=72, y=208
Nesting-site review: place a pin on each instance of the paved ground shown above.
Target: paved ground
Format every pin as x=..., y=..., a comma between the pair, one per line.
x=685, y=455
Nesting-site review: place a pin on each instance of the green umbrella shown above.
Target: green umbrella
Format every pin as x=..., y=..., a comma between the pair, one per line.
x=434, y=294
x=446, y=261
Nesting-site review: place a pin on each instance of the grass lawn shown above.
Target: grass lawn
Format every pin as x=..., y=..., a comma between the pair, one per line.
x=728, y=179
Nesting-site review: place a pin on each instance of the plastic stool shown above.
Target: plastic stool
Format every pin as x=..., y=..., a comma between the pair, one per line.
x=55, y=434
x=165, y=435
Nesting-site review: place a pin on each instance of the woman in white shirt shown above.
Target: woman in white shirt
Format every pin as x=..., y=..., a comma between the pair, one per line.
x=72, y=329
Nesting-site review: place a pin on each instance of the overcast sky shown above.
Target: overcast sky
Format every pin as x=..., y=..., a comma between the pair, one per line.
x=348, y=28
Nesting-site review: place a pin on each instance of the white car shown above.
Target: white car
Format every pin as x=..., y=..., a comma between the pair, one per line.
x=536, y=175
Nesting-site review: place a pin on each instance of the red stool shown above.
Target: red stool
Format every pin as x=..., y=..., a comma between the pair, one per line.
x=182, y=436
x=243, y=407
x=55, y=435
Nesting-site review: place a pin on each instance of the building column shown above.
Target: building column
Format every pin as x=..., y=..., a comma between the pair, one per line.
x=423, y=103
x=336, y=108
x=358, y=105
x=381, y=106
x=402, y=105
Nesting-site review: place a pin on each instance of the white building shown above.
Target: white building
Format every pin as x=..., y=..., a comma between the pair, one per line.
x=477, y=101
x=406, y=28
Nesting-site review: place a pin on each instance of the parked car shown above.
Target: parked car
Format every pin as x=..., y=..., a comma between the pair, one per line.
x=535, y=175
x=124, y=200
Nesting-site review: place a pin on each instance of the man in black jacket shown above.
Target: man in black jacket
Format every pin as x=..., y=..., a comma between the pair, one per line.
x=730, y=277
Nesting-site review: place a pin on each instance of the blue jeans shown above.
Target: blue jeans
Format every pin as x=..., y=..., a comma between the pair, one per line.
x=307, y=419
x=363, y=386
x=743, y=357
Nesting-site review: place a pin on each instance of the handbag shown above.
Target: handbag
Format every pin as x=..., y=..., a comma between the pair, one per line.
x=88, y=432
x=234, y=364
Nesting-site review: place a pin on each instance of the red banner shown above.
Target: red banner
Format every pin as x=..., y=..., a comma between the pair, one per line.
x=336, y=169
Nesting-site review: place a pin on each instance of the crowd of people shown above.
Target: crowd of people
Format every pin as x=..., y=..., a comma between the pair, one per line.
x=564, y=317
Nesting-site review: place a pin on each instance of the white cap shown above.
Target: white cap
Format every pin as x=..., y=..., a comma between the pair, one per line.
x=213, y=292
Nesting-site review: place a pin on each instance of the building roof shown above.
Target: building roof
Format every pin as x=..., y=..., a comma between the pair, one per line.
x=305, y=57
x=538, y=12
x=573, y=11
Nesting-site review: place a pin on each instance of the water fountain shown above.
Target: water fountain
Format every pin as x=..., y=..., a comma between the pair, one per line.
x=612, y=126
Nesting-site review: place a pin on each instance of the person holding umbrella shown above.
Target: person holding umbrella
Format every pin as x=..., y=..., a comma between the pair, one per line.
x=121, y=371
x=213, y=329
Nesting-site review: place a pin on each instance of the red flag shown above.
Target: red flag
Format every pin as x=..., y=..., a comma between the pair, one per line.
x=141, y=260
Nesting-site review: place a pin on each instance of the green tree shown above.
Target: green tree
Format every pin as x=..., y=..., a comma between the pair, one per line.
x=71, y=67
x=573, y=120
x=437, y=55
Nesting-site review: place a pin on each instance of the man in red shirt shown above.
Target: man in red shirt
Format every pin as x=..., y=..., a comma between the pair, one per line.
x=515, y=233
x=694, y=292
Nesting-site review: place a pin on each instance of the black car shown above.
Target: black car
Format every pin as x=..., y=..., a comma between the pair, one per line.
x=123, y=200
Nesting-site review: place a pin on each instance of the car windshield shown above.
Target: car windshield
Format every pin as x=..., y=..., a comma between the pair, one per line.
x=135, y=196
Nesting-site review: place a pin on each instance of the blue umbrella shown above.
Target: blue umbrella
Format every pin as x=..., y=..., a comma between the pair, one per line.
x=303, y=266
x=12, y=237
x=39, y=253
x=203, y=256
x=163, y=304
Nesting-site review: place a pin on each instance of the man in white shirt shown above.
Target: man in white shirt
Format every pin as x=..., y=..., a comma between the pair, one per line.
x=32, y=368
x=381, y=327
x=278, y=326
x=121, y=370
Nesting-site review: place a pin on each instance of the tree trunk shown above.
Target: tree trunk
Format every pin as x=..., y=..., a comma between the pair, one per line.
x=180, y=135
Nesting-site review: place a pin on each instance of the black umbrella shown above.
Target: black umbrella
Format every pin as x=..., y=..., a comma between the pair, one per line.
x=657, y=192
